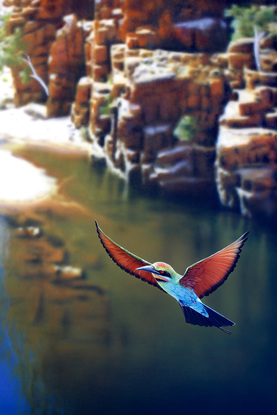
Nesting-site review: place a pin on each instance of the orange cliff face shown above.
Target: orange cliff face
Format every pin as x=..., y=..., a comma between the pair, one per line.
x=152, y=25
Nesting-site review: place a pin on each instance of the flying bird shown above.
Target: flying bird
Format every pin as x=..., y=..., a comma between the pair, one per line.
x=199, y=279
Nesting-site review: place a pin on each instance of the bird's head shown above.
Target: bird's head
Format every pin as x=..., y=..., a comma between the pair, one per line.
x=160, y=270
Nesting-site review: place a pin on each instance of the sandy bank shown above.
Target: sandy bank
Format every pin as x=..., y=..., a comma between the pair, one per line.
x=21, y=182
x=30, y=125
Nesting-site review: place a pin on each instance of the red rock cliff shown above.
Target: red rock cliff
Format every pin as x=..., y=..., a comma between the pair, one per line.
x=135, y=73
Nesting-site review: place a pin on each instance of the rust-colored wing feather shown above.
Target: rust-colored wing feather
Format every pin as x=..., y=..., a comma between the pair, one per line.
x=207, y=275
x=125, y=259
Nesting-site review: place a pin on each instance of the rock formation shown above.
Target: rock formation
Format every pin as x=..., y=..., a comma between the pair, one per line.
x=247, y=147
x=66, y=65
x=46, y=34
x=145, y=79
x=150, y=95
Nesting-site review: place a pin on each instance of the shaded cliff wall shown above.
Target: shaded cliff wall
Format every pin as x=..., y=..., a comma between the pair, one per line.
x=246, y=162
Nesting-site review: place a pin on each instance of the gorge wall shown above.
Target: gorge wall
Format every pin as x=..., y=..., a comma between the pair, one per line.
x=164, y=96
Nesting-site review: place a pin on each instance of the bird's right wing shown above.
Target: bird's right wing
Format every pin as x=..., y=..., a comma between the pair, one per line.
x=207, y=275
x=125, y=259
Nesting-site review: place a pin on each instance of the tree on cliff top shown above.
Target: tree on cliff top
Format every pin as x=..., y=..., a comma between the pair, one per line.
x=245, y=19
x=12, y=48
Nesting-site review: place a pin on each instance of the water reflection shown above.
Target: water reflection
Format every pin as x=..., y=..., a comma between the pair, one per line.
x=108, y=343
x=11, y=396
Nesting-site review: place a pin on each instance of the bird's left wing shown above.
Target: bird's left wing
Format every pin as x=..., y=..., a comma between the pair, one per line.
x=125, y=259
x=207, y=275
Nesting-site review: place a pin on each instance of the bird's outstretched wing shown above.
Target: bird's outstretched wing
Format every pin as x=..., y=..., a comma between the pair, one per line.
x=208, y=274
x=125, y=259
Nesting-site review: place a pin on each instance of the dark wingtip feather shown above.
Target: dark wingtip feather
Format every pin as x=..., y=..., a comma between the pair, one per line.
x=225, y=331
x=244, y=238
x=144, y=276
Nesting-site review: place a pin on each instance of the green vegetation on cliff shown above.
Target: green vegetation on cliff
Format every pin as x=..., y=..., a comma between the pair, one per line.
x=186, y=128
x=246, y=18
x=11, y=45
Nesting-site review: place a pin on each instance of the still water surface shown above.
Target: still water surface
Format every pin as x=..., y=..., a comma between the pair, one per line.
x=110, y=343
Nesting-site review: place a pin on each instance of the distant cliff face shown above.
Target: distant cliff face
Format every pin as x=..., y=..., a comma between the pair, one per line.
x=45, y=35
x=246, y=161
x=154, y=86
x=67, y=48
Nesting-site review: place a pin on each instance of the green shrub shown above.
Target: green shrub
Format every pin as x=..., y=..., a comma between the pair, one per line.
x=186, y=128
x=105, y=107
x=246, y=18
x=12, y=47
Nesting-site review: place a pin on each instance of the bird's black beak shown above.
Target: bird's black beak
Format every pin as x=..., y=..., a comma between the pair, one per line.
x=148, y=268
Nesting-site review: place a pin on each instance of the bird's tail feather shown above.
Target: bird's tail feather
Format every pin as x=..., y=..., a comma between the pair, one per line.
x=214, y=319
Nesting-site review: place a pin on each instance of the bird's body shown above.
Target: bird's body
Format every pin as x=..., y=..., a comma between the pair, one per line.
x=178, y=291
x=199, y=279
x=186, y=297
